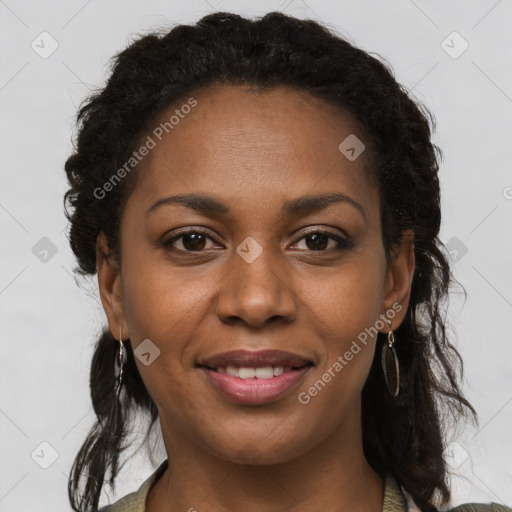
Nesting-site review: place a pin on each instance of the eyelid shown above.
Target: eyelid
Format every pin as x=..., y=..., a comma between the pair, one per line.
x=176, y=235
x=328, y=230
x=343, y=240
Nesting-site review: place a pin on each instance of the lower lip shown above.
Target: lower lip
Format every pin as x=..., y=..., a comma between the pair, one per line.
x=254, y=391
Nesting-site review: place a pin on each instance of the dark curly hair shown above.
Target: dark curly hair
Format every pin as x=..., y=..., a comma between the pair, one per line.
x=405, y=436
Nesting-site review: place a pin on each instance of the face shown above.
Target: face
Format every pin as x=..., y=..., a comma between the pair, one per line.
x=257, y=264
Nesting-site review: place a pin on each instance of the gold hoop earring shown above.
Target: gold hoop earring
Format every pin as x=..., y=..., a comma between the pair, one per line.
x=121, y=356
x=390, y=362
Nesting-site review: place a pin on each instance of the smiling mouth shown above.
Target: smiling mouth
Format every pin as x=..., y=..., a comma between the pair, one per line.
x=259, y=372
x=248, y=377
x=259, y=385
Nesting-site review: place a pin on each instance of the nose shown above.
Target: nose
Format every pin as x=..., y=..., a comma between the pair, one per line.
x=257, y=292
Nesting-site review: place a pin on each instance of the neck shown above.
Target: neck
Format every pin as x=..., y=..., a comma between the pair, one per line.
x=334, y=475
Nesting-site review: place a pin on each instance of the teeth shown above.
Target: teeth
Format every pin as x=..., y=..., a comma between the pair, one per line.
x=246, y=373
x=266, y=372
x=278, y=370
x=231, y=370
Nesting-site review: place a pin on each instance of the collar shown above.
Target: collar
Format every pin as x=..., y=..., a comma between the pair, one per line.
x=395, y=498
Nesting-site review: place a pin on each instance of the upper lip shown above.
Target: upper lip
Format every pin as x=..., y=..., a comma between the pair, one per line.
x=258, y=359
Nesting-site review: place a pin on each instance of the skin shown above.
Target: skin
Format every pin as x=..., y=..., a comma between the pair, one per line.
x=253, y=151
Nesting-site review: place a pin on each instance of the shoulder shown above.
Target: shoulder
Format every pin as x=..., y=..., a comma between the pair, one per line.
x=481, y=507
x=136, y=501
x=129, y=503
x=392, y=489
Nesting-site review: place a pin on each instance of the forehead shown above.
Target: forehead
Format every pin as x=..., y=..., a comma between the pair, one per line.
x=252, y=147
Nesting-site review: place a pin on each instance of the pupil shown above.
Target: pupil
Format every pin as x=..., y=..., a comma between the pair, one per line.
x=195, y=241
x=320, y=241
x=192, y=241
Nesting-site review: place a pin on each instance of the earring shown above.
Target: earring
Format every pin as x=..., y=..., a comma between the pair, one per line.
x=390, y=360
x=121, y=357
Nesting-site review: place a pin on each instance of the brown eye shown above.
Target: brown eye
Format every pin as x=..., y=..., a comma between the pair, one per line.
x=319, y=241
x=191, y=241
x=196, y=241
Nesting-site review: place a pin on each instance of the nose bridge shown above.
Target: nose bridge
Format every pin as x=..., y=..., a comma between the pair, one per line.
x=257, y=287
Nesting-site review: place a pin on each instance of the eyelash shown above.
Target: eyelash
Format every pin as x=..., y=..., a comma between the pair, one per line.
x=343, y=243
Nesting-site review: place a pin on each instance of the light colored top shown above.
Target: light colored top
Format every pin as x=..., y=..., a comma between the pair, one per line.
x=395, y=498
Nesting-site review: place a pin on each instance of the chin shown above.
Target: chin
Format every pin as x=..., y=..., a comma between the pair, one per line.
x=265, y=450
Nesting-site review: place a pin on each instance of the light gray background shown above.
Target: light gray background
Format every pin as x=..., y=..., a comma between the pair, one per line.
x=49, y=325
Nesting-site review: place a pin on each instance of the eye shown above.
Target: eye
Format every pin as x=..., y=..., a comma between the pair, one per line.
x=319, y=241
x=190, y=241
x=196, y=241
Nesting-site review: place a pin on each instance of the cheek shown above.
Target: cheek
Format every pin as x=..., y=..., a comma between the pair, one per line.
x=161, y=302
x=349, y=300
x=346, y=315
x=166, y=309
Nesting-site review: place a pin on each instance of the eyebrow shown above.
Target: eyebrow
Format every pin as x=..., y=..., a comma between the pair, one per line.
x=300, y=206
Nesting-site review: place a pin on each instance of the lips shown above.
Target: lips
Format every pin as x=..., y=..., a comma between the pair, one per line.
x=259, y=359
x=251, y=378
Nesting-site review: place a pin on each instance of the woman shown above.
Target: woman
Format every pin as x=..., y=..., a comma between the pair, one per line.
x=260, y=201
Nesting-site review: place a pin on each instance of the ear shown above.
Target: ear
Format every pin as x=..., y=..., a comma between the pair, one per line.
x=399, y=276
x=111, y=288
